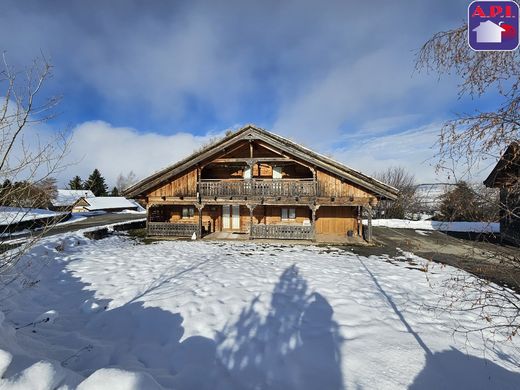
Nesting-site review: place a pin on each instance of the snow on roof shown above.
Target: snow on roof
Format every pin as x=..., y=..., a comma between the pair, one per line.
x=12, y=215
x=69, y=197
x=109, y=202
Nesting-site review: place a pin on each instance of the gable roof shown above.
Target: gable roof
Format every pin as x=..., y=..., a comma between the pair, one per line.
x=251, y=132
x=69, y=197
x=107, y=203
x=507, y=167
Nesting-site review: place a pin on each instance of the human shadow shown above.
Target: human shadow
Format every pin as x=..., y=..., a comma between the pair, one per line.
x=292, y=343
x=296, y=345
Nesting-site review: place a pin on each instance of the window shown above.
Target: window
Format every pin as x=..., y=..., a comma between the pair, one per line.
x=277, y=172
x=247, y=173
x=188, y=212
x=288, y=213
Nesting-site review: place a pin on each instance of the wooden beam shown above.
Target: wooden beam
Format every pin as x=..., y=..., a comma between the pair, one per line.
x=247, y=159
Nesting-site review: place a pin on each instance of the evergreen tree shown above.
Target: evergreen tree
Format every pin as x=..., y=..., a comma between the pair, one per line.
x=96, y=183
x=76, y=183
x=114, y=192
x=461, y=204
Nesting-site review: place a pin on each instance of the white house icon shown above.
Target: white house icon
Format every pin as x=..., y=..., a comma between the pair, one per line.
x=489, y=32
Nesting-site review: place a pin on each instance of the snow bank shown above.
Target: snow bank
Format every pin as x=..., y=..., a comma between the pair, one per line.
x=477, y=227
x=114, y=379
x=237, y=316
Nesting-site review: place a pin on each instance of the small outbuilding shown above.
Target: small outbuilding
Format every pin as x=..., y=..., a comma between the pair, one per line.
x=104, y=203
x=506, y=177
x=65, y=199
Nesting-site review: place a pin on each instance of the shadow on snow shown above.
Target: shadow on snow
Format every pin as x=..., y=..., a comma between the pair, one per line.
x=296, y=345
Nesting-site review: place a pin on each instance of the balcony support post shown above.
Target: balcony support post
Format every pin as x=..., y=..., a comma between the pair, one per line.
x=369, y=226
x=199, y=207
x=314, y=208
x=251, y=208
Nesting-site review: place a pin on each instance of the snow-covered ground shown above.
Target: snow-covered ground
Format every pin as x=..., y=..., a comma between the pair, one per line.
x=118, y=314
x=478, y=227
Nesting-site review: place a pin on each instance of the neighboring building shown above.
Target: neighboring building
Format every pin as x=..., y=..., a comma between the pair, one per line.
x=104, y=203
x=65, y=199
x=262, y=184
x=506, y=176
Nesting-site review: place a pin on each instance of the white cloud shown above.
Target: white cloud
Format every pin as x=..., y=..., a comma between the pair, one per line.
x=115, y=150
x=412, y=149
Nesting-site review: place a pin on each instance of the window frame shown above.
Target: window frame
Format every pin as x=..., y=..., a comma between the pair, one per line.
x=290, y=213
x=189, y=214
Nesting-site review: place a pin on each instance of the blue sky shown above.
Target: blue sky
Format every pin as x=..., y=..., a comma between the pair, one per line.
x=146, y=82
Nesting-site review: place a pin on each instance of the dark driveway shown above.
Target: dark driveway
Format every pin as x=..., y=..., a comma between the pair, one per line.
x=489, y=260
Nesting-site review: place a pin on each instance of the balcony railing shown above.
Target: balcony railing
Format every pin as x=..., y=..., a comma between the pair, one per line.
x=282, y=232
x=258, y=187
x=167, y=229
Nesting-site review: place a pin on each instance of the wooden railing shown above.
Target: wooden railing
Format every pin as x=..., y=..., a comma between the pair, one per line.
x=258, y=187
x=282, y=232
x=171, y=229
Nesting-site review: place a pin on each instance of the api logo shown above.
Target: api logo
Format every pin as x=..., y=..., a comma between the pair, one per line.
x=493, y=25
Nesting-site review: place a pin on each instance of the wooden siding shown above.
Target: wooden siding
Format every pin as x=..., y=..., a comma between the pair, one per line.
x=333, y=186
x=272, y=215
x=336, y=220
x=185, y=185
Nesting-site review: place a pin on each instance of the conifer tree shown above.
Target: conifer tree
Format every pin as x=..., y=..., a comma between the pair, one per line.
x=96, y=183
x=114, y=192
x=76, y=183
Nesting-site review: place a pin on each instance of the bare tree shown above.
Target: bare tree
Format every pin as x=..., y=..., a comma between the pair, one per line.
x=406, y=203
x=29, y=158
x=472, y=142
x=125, y=181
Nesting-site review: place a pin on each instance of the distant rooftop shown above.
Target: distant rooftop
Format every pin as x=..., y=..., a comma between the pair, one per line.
x=69, y=197
x=109, y=202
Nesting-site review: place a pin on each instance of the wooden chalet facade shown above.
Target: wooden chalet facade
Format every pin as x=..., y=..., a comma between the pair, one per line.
x=506, y=177
x=261, y=184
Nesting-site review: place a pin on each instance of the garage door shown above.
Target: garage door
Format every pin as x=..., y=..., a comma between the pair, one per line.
x=335, y=220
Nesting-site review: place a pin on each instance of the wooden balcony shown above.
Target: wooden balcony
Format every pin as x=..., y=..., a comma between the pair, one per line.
x=167, y=229
x=258, y=188
x=282, y=232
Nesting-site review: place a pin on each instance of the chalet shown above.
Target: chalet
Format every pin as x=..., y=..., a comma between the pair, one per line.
x=65, y=199
x=506, y=177
x=261, y=184
x=104, y=203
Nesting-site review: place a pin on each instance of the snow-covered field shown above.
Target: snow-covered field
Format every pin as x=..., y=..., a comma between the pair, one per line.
x=118, y=314
x=477, y=227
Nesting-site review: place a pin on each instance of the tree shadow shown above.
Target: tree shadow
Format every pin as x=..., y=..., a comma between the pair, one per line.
x=451, y=369
x=296, y=346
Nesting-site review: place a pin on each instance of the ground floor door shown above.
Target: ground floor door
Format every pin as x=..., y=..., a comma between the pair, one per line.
x=231, y=217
